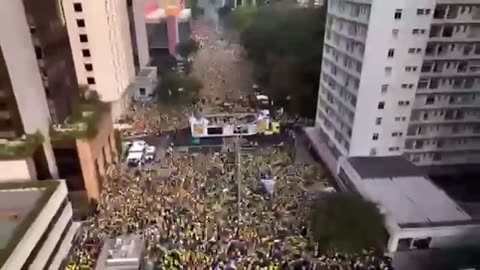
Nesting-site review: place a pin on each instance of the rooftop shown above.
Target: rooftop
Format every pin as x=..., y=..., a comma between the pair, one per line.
x=384, y=167
x=124, y=252
x=414, y=201
x=409, y=198
x=20, y=204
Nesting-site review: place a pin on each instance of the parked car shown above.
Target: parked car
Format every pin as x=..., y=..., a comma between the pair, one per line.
x=150, y=153
x=134, y=158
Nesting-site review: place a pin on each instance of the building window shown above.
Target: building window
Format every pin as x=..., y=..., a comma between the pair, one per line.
x=88, y=67
x=384, y=88
x=91, y=80
x=77, y=7
x=83, y=38
x=381, y=105
x=388, y=70
x=391, y=53
x=397, y=134
x=375, y=136
x=410, y=68
x=80, y=23
x=395, y=33
x=142, y=91
x=411, y=50
x=38, y=52
x=391, y=149
x=86, y=53
x=430, y=100
x=420, y=11
x=427, y=11
x=398, y=14
x=378, y=121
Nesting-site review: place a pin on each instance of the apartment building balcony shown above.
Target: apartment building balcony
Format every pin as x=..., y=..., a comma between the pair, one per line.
x=442, y=145
x=353, y=14
x=349, y=47
x=337, y=99
x=425, y=131
x=82, y=124
x=453, y=85
x=444, y=116
x=350, y=32
x=342, y=79
x=345, y=64
x=445, y=158
x=454, y=33
x=22, y=147
x=452, y=51
x=446, y=101
x=456, y=14
x=336, y=121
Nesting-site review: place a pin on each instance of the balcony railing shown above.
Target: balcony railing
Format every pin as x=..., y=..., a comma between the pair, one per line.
x=21, y=147
x=82, y=124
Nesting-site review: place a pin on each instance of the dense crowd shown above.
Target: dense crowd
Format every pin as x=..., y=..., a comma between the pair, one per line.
x=193, y=219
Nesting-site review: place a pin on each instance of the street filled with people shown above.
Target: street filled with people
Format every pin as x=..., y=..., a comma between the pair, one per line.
x=228, y=210
x=198, y=219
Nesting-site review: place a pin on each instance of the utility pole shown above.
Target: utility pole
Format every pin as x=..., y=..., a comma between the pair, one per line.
x=239, y=176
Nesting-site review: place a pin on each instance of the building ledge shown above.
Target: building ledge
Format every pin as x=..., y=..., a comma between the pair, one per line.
x=83, y=123
x=47, y=188
x=22, y=147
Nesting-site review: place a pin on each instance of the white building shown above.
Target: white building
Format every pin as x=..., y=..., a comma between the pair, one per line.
x=419, y=215
x=400, y=76
x=36, y=226
x=100, y=38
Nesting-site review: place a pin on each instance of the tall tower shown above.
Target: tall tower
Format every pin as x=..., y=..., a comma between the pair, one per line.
x=44, y=130
x=100, y=38
x=400, y=77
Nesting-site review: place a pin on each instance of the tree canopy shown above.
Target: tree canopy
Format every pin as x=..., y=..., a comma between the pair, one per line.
x=286, y=46
x=178, y=88
x=240, y=18
x=347, y=222
x=187, y=47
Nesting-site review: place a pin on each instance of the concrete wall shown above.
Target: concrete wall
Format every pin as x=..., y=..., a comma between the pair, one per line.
x=90, y=153
x=53, y=239
x=33, y=234
x=141, y=32
x=21, y=170
x=109, y=42
x=22, y=66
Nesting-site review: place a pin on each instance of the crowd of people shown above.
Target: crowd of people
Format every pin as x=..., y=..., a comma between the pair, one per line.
x=194, y=219
x=213, y=211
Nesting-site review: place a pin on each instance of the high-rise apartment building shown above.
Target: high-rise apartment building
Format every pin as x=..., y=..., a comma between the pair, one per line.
x=101, y=44
x=401, y=77
x=47, y=130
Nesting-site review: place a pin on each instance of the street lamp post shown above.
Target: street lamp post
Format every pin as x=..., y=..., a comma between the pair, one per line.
x=239, y=176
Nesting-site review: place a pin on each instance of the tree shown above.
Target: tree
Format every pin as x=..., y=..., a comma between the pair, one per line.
x=240, y=18
x=224, y=12
x=346, y=222
x=187, y=47
x=178, y=88
x=286, y=45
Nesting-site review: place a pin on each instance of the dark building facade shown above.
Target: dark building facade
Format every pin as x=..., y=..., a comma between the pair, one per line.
x=54, y=55
x=10, y=122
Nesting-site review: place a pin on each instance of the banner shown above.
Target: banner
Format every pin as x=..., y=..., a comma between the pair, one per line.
x=269, y=185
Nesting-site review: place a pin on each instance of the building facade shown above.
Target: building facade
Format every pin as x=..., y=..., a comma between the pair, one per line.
x=100, y=38
x=43, y=241
x=399, y=77
x=38, y=95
